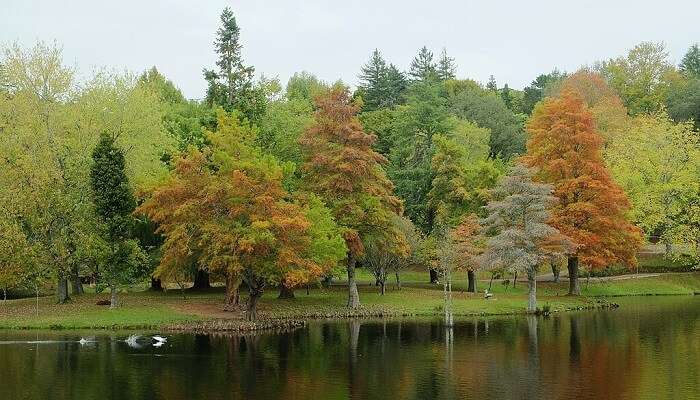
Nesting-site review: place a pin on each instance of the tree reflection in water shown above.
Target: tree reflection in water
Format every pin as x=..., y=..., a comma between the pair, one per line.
x=644, y=350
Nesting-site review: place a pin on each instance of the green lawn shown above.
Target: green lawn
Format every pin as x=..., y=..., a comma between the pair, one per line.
x=147, y=310
x=138, y=310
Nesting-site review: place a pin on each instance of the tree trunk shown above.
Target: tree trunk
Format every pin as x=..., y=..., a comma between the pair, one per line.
x=254, y=294
x=286, y=292
x=471, y=278
x=156, y=285
x=382, y=280
x=112, y=296
x=62, y=290
x=447, y=291
x=233, y=291
x=555, y=272
x=433, y=276
x=201, y=280
x=398, y=280
x=531, y=292
x=36, y=290
x=515, y=278
x=75, y=281
x=353, y=295
x=327, y=281
x=572, y=266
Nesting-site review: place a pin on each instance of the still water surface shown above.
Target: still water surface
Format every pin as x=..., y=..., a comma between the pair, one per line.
x=647, y=349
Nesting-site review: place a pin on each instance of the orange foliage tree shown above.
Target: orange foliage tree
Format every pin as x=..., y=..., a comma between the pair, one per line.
x=342, y=168
x=565, y=149
x=609, y=112
x=225, y=208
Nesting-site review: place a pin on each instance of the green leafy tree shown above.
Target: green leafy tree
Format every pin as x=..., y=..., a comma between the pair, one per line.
x=381, y=255
x=485, y=108
x=448, y=194
x=382, y=124
x=46, y=162
x=683, y=101
x=642, y=77
x=114, y=203
x=305, y=86
x=185, y=120
x=657, y=163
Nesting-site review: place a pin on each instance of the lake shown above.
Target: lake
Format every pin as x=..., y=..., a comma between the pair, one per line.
x=649, y=348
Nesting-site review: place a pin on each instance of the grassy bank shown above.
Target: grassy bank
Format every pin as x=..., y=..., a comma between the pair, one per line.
x=203, y=311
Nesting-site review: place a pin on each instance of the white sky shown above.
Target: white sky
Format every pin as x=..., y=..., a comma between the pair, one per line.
x=513, y=40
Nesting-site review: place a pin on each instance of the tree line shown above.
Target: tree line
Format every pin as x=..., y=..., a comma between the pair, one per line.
x=121, y=178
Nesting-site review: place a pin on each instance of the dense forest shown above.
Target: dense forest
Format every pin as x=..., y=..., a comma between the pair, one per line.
x=118, y=179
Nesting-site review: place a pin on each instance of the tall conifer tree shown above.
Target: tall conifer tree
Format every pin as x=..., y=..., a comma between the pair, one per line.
x=423, y=67
x=446, y=67
x=373, y=81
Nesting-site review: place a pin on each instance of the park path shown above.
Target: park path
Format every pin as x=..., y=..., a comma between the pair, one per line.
x=563, y=275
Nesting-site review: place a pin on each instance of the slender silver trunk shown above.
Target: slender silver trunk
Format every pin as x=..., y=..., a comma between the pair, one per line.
x=353, y=295
x=532, y=292
x=112, y=296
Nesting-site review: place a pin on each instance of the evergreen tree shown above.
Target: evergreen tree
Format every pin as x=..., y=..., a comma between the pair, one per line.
x=446, y=66
x=114, y=203
x=422, y=66
x=491, y=85
x=536, y=91
x=231, y=85
x=423, y=116
x=690, y=65
x=396, y=84
x=506, y=96
x=373, y=79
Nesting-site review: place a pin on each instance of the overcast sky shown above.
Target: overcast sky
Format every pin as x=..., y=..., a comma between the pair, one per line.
x=513, y=40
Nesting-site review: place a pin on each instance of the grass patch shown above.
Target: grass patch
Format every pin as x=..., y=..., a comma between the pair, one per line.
x=669, y=284
x=148, y=310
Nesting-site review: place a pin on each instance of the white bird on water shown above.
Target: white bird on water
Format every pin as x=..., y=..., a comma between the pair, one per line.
x=84, y=341
x=132, y=341
x=160, y=340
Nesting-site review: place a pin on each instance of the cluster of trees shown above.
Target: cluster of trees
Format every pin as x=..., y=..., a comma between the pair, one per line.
x=257, y=186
